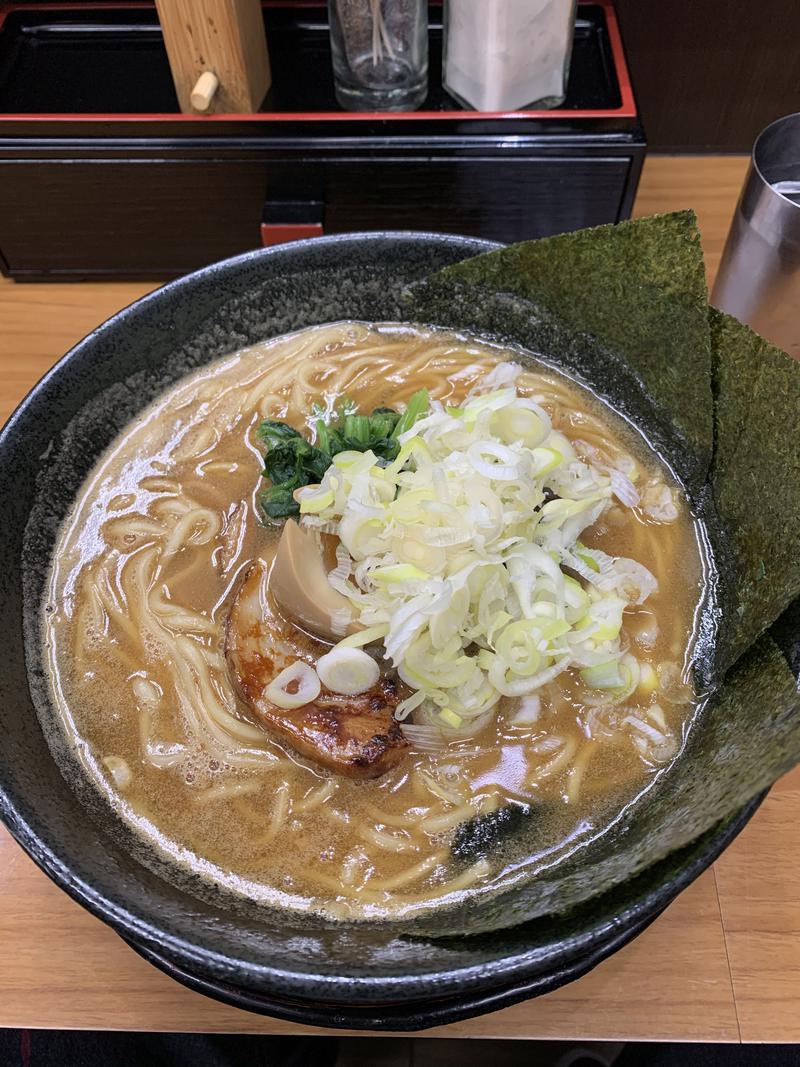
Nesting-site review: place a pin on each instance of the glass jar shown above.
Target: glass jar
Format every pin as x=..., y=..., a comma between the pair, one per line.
x=504, y=55
x=380, y=53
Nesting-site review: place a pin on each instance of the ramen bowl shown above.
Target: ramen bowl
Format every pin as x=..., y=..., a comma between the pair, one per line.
x=370, y=975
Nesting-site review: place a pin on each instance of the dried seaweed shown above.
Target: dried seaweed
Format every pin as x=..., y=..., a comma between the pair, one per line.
x=639, y=289
x=756, y=475
x=482, y=833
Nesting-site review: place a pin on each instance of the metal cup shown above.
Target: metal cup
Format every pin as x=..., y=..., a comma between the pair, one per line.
x=759, y=275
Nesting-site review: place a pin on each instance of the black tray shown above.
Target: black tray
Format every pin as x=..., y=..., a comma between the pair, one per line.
x=112, y=60
x=105, y=177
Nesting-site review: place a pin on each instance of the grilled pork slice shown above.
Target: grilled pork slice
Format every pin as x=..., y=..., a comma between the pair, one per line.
x=355, y=736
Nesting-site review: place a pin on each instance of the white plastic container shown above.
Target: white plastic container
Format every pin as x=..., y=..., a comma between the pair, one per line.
x=503, y=55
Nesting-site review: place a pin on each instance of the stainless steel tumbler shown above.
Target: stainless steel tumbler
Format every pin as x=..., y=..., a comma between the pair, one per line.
x=759, y=275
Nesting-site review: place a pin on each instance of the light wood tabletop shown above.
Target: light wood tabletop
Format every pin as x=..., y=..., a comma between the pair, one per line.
x=721, y=964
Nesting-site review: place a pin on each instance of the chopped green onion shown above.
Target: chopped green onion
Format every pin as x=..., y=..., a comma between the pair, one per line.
x=516, y=646
x=605, y=616
x=501, y=619
x=416, y=447
x=544, y=609
x=450, y=718
x=315, y=501
x=609, y=675
x=400, y=572
x=348, y=671
x=364, y=637
x=546, y=460
x=582, y=553
x=648, y=679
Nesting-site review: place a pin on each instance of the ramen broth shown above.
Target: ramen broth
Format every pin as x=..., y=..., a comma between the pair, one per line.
x=146, y=569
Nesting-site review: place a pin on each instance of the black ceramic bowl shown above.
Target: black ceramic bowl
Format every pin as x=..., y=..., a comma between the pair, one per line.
x=365, y=976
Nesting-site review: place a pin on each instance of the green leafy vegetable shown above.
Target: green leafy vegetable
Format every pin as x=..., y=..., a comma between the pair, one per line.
x=290, y=461
x=297, y=462
x=277, y=502
x=358, y=433
x=417, y=406
x=281, y=464
x=323, y=437
x=273, y=432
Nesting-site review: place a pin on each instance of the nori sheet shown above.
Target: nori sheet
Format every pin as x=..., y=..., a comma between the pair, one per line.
x=514, y=320
x=756, y=475
x=624, y=310
x=638, y=288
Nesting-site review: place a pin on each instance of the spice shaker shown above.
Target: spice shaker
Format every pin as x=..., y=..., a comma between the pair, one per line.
x=503, y=55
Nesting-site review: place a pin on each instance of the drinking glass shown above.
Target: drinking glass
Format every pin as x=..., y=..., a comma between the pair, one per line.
x=380, y=53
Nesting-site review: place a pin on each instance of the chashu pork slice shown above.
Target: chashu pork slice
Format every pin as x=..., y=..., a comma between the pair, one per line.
x=355, y=736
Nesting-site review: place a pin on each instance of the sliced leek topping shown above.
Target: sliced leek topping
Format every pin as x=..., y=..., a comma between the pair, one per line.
x=463, y=556
x=348, y=671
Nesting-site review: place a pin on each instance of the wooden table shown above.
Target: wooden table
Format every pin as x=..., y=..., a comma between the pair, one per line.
x=721, y=964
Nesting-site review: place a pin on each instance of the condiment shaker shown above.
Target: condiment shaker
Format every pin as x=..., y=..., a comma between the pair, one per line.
x=503, y=55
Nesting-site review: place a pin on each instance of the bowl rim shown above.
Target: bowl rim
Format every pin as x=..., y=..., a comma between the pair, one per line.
x=476, y=981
